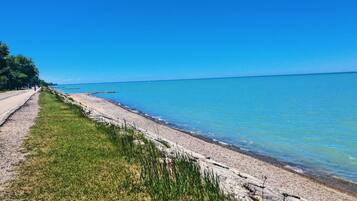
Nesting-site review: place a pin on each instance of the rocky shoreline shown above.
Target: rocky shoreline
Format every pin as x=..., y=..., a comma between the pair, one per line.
x=241, y=175
x=320, y=177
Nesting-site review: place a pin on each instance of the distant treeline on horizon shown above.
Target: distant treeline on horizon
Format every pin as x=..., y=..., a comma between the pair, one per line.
x=17, y=72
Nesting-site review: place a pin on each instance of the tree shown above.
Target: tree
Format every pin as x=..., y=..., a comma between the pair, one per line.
x=16, y=71
x=4, y=52
x=23, y=72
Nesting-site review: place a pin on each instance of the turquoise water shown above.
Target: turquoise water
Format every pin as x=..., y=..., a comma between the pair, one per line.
x=306, y=120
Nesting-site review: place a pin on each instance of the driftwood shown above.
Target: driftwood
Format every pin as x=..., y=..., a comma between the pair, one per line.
x=289, y=195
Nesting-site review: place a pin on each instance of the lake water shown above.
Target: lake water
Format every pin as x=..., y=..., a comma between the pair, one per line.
x=306, y=120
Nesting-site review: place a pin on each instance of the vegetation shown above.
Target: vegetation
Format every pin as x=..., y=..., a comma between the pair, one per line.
x=18, y=71
x=74, y=158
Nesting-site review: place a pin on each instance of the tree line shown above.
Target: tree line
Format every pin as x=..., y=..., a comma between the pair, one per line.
x=17, y=71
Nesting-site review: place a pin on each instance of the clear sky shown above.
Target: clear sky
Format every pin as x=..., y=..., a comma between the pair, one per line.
x=75, y=41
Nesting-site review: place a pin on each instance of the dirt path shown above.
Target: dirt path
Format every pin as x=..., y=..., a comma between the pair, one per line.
x=12, y=134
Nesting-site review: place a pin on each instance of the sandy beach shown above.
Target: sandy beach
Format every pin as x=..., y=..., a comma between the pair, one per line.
x=279, y=182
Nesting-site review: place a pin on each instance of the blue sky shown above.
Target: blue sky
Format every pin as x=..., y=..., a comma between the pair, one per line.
x=102, y=41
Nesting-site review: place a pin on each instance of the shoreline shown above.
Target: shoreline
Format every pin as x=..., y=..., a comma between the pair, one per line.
x=337, y=183
x=281, y=180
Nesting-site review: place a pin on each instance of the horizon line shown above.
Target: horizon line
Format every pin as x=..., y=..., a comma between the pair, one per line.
x=224, y=77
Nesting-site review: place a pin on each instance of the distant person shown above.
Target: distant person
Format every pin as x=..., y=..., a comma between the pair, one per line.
x=34, y=88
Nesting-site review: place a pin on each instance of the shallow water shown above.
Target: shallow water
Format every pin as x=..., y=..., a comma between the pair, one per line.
x=306, y=120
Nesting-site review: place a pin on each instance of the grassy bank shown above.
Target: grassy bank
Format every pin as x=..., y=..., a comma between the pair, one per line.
x=74, y=158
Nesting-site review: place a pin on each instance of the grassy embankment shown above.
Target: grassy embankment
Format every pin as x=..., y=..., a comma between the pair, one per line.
x=74, y=158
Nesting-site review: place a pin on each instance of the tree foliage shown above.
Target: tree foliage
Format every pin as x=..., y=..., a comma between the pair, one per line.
x=18, y=71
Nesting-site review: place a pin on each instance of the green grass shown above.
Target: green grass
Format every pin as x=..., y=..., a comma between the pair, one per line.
x=74, y=158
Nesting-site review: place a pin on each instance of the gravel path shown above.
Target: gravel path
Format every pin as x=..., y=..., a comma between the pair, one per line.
x=12, y=134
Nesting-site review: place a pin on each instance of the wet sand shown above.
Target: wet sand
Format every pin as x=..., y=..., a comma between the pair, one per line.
x=280, y=181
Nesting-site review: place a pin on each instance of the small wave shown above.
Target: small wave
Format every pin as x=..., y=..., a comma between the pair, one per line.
x=295, y=169
x=223, y=143
x=157, y=118
x=220, y=142
x=250, y=142
x=192, y=132
x=351, y=158
x=244, y=149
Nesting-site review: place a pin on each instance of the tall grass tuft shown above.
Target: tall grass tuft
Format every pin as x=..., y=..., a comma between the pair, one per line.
x=165, y=178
